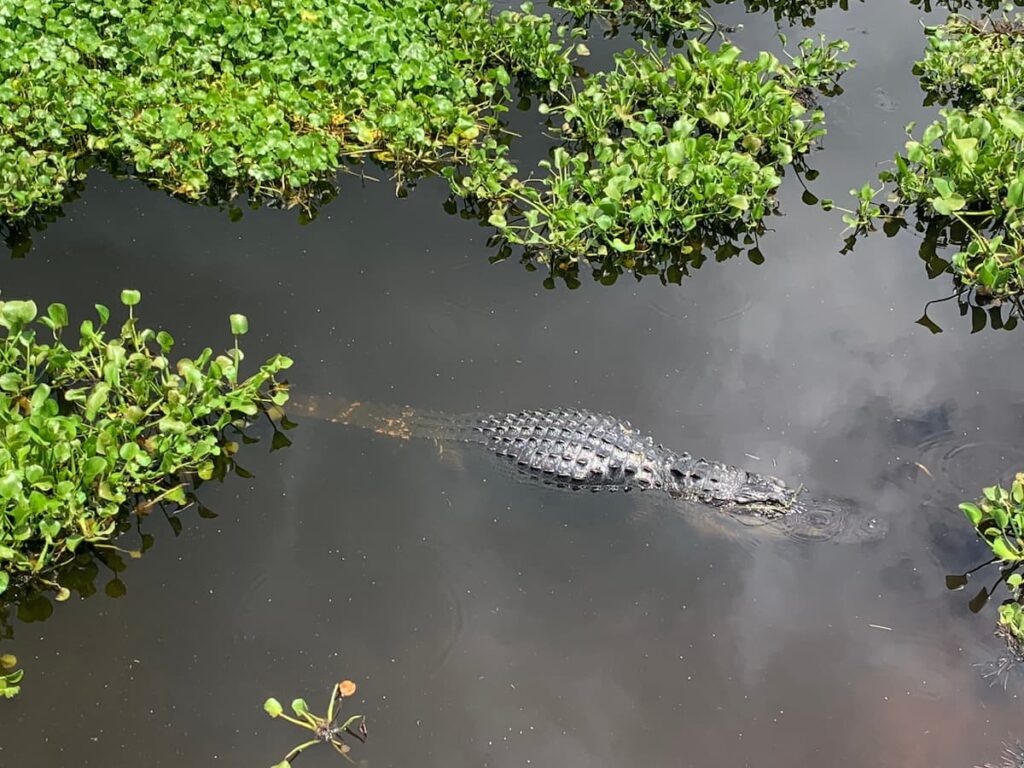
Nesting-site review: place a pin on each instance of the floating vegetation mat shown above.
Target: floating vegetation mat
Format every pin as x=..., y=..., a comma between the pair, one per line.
x=966, y=169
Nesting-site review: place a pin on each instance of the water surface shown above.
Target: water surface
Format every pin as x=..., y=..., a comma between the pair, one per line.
x=495, y=623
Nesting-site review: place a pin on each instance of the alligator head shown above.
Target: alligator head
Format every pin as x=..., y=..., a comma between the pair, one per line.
x=723, y=486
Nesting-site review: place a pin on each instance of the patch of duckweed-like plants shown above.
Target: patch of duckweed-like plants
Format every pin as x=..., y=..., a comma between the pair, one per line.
x=106, y=426
x=208, y=99
x=662, y=152
x=967, y=168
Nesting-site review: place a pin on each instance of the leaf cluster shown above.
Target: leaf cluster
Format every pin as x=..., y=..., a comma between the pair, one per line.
x=968, y=166
x=998, y=517
x=264, y=96
x=661, y=150
x=95, y=429
x=10, y=681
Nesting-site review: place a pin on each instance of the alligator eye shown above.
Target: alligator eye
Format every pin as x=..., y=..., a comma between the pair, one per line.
x=676, y=474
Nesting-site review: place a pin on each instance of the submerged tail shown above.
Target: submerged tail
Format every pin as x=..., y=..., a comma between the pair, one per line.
x=401, y=421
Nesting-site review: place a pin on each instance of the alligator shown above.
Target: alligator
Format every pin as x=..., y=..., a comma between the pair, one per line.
x=583, y=450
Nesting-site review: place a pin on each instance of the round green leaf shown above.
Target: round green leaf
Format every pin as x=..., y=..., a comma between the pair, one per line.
x=130, y=297
x=19, y=313
x=273, y=707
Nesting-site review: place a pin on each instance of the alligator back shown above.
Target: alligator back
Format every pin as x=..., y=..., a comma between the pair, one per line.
x=576, y=449
x=571, y=448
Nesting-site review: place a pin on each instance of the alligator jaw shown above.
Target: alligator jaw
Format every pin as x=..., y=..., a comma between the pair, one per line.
x=764, y=495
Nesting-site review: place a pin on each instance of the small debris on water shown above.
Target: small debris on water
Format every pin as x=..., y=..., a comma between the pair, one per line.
x=879, y=626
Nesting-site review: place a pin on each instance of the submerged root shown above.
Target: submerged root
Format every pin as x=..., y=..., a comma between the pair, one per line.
x=1013, y=757
x=1000, y=669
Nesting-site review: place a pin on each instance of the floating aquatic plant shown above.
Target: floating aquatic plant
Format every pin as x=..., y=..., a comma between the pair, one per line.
x=330, y=729
x=966, y=169
x=661, y=152
x=109, y=426
x=998, y=518
x=215, y=97
x=9, y=677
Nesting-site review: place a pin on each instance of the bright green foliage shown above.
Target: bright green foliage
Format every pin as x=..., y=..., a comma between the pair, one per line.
x=654, y=14
x=999, y=519
x=660, y=151
x=9, y=681
x=93, y=430
x=970, y=62
x=1011, y=620
x=969, y=165
x=212, y=97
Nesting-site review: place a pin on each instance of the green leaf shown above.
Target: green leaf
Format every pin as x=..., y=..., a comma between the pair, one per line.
x=96, y=400
x=967, y=148
x=239, y=325
x=5, y=579
x=947, y=205
x=300, y=708
x=165, y=340
x=130, y=297
x=10, y=484
x=273, y=707
x=973, y=513
x=18, y=313
x=931, y=133
x=719, y=119
x=58, y=313
x=1015, y=192
x=1013, y=122
x=1001, y=548
x=675, y=152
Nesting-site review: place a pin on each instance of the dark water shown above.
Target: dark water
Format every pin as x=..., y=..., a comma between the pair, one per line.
x=493, y=623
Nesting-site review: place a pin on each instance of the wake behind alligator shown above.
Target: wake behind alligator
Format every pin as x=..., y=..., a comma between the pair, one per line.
x=583, y=450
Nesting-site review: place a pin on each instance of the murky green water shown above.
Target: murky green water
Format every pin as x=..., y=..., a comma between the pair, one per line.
x=494, y=623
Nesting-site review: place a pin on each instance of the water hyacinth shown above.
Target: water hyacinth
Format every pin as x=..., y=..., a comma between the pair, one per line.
x=111, y=425
x=209, y=99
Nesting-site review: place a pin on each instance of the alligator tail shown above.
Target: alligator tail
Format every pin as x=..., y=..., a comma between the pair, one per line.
x=399, y=421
